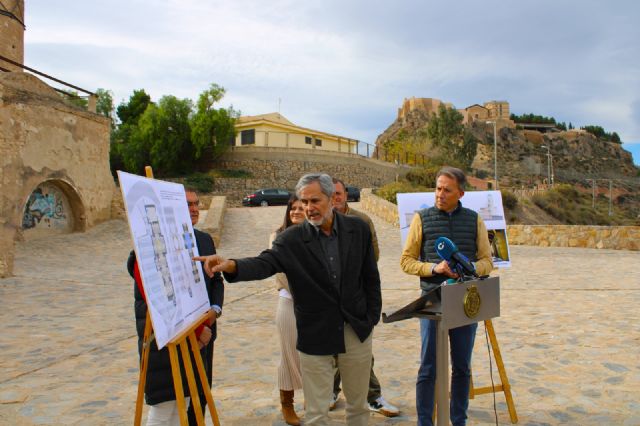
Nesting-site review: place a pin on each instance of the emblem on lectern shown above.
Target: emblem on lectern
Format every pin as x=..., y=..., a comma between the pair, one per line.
x=471, y=302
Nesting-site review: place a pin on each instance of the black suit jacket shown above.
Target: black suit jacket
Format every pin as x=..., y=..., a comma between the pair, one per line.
x=321, y=309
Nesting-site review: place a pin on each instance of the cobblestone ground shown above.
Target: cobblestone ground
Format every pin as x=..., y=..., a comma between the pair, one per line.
x=569, y=334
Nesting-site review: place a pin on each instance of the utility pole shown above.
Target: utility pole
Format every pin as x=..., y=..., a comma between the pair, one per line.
x=593, y=184
x=610, y=196
x=495, y=151
x=549, y=164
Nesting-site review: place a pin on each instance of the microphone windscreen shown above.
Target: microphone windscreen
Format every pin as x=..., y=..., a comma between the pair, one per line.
x=445, y=248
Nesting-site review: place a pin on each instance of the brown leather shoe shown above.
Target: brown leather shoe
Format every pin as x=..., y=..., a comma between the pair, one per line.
x=289, y=414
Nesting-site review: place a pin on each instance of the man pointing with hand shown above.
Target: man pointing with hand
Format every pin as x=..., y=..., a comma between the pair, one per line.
x=334, y=280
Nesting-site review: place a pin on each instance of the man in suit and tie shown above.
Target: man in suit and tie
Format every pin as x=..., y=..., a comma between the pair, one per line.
x=334, y=280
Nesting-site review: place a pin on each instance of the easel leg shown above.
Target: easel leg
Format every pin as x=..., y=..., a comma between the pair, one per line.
x=203, y=379
x=177, y=383
x=193, y=386
x=501, y=370
x=144, y=364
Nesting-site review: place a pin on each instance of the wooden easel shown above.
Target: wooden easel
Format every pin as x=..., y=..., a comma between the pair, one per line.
x=504, y=385
x=183, y=340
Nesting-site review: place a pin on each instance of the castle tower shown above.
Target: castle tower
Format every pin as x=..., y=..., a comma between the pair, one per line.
x=12, y=33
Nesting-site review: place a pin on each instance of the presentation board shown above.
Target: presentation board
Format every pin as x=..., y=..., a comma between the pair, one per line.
x=164, y=244
x=488, y=204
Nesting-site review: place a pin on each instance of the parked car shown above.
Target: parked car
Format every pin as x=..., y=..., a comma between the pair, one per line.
x=267, y=197
x=353, y=193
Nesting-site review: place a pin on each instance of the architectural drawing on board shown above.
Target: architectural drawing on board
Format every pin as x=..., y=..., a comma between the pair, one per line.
x=165, y=245
x=489, y=211
x=189, y=244
x=160, y=252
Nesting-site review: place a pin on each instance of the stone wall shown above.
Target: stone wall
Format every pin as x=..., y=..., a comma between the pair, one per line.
x=273, y=167
x=44, y=140
x=380, y=207
x=601, y=237
x=12, y=33
x=214, y=220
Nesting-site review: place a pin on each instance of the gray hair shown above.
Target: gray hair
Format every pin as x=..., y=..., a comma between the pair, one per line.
x=325, y=181
x=455, y=174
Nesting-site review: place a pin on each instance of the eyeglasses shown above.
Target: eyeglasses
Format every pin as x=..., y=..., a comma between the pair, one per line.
x=193, y=203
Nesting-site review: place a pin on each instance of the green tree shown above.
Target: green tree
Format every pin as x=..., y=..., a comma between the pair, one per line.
x=596, y=131
x=445, y=126
x=171, y=148
x=211, y=127
x=457, y=146
x=161, y=138
x=74, y=98
x=131, y=111
x=104, y=104
x=615, y=138
x=125, y=141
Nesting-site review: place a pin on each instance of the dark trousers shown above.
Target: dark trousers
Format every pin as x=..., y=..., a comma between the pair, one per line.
x=208, y=366
x=374, y=385
x=461, y=340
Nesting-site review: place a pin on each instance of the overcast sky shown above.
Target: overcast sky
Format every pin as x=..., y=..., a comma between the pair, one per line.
x=345, y=66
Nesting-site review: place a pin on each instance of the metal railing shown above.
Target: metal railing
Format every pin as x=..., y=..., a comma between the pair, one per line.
x=90, y=95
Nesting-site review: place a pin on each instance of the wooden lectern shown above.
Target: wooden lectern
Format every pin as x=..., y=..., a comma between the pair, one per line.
x=459, y=304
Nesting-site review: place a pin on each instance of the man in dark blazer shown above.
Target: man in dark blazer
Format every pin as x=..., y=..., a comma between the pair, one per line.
x=215, y=290
x=335, y=284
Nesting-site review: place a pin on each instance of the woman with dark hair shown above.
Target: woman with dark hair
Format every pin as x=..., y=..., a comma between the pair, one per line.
x=289, y=373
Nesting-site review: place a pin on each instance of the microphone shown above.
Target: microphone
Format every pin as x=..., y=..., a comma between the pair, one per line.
x=447, y=250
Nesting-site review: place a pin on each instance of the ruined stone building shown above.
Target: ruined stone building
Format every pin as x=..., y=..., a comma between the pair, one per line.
x=497, y=111
x=54, y=156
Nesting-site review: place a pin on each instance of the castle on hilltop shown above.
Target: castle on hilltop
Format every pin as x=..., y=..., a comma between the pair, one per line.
x=497, y=111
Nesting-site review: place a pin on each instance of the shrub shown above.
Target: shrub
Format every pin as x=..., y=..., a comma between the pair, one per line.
x=482, y=174
x=389, y=191
x=201, y=182
x=567, y=204
x=425, y=176
x=509, y=200
x=224, y=173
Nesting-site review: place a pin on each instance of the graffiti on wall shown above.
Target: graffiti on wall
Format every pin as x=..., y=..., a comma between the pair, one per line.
x=47, y=208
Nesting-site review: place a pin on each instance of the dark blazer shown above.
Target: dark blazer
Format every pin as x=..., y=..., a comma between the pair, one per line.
x=321, y=309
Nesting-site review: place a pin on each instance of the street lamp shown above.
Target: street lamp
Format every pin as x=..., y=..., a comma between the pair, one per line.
x=495, y=152
x=549, y=164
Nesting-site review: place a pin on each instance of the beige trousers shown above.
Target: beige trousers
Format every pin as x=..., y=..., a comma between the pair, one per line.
x=317, y=381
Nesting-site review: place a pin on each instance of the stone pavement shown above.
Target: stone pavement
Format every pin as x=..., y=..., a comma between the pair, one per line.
x=569, y=334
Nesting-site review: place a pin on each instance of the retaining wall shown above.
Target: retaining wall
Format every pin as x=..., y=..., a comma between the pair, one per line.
x=600, y=237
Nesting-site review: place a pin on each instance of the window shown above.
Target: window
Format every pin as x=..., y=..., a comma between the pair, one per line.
x=318, y=142
x=248, y=137
x=307, y=140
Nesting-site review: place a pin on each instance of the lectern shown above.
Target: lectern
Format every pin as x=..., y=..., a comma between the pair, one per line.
x=454, y=305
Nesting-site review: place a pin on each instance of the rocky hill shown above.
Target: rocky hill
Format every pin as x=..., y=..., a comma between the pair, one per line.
x=522, y=160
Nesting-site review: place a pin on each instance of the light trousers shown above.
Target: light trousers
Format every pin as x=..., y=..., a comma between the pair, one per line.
x=317, y=381
x=165, y=413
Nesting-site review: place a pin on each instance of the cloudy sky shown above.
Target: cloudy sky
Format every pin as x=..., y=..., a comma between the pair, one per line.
x=345, y=66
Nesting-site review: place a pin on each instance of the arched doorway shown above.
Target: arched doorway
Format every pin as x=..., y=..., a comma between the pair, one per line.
x=53, y=207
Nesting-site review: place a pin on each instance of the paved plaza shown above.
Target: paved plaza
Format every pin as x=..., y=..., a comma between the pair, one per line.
x=569, y=334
